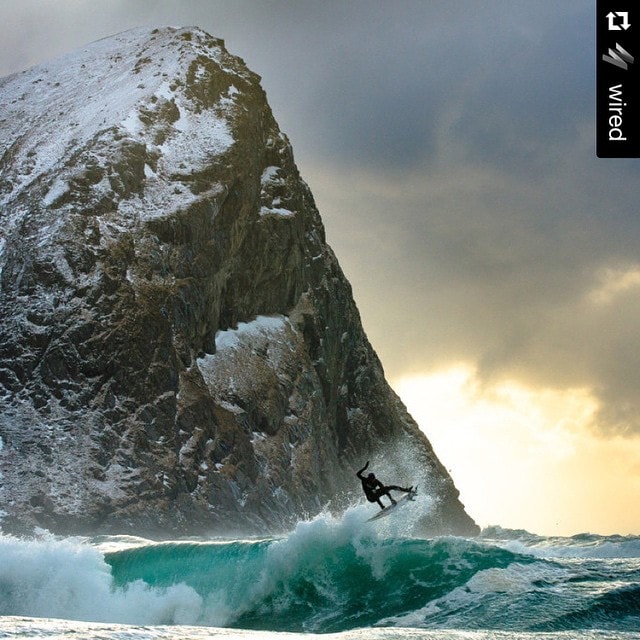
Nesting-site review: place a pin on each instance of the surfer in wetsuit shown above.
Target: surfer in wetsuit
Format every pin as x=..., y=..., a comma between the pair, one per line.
x=374, y=489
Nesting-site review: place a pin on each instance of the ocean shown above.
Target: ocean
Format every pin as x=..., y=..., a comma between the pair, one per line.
x=332, y=577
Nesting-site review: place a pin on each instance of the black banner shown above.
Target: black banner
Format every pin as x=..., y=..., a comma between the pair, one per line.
x=617, y=78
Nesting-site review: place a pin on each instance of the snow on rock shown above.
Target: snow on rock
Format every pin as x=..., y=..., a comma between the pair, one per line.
x=262, y=326
x=179, y=349
x=276, y=211
x=273, y=186
x=131, y=88
x=247, y=355
x=57, y=190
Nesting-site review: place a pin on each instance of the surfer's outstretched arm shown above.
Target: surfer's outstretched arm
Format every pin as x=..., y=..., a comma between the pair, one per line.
x=359, y=473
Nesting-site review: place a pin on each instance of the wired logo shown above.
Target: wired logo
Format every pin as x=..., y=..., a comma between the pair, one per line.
x=617, y=79
x=620, y=57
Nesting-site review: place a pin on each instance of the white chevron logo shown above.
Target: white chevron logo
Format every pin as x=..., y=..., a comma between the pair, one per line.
x=619, y=57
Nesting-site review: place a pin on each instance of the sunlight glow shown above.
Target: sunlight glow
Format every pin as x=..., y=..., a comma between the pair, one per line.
x=527, y=458
x=613, y=282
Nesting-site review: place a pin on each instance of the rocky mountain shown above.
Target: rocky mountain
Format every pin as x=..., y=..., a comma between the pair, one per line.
x=179, y=349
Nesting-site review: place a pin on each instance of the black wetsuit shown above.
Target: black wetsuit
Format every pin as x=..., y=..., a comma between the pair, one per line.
x=374, y=489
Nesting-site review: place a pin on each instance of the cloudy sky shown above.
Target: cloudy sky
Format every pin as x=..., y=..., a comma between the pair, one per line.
x=495, y=260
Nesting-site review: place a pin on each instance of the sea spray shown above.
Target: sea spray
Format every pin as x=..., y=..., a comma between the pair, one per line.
x=49, y=577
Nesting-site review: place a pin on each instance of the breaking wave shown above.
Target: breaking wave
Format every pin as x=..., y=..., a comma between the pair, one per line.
x=329, y=575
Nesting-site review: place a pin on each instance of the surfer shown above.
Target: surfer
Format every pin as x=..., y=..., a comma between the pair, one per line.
x=374, y=489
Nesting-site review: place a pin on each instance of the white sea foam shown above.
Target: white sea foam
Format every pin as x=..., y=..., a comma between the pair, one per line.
x=600, y=547
x=68, y=579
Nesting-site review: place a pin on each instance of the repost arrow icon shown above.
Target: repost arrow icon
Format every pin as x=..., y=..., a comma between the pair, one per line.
x=613, y=26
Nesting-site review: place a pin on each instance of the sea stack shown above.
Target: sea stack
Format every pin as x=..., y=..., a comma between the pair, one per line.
x=180, y=352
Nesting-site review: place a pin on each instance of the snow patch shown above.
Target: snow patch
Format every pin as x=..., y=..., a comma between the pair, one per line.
x=57, y=190
x=132, y=123
x=164, y=91
x=201, y=138
x=261, y=326
x=231, y=407
x=269, y=175
x=272, y=211
x=270, y=182
x=246, y=354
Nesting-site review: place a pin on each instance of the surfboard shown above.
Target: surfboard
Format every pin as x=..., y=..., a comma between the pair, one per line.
x=392, y=507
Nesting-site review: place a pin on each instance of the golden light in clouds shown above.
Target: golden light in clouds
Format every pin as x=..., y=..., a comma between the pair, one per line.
x=526, y=458
x=614, y=282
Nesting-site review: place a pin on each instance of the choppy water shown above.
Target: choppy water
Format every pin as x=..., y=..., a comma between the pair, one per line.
x=328, y=576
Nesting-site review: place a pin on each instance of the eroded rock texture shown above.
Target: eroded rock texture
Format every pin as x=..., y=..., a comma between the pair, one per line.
x=179, y=349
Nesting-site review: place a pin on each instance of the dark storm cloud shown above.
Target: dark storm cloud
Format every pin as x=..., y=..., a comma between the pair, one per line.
x=503, y=78
x=534, y=92
x=449, y=146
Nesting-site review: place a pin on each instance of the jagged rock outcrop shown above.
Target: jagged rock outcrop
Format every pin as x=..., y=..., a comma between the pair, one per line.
x=179, y=349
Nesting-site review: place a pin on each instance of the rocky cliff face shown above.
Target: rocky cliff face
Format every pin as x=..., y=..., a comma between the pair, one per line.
x=179, y=349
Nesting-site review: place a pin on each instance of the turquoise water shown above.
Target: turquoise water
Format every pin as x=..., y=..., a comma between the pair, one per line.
x=321, y=583
x=330, y=575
